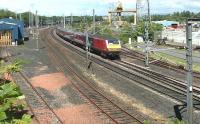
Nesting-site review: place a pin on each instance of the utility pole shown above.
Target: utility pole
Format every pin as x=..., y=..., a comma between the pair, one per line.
x=146, y=44
x=64, y=21
x=147, y=22
x=16, y=15
x=29, y=19
x=189, y=72
x=149, y=12
x=94, y=28
x=52, y=21
x=32, y=19
x=20, y=16
x=71, y=19
x=37, y=31
x=87, y=45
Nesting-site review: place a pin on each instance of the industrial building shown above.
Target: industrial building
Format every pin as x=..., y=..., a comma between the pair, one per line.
x=11, y=31
x=166, y=23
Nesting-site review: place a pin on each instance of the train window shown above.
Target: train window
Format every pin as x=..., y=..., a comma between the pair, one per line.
x=113, y=41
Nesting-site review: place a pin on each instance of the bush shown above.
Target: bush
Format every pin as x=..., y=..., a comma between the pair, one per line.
x=10, y=96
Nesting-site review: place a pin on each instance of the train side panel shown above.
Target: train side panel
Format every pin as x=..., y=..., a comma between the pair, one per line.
x=99, y=44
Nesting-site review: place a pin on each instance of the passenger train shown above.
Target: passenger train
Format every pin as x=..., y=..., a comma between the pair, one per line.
x=106, y=47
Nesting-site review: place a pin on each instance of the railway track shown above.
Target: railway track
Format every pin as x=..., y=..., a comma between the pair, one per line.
x=140, y=56
x=162, y=80
x=158, y=82
x=35, y=98
x=93, y=95
x=48, y=107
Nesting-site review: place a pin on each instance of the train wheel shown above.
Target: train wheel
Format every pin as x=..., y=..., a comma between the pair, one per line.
x=103, y=55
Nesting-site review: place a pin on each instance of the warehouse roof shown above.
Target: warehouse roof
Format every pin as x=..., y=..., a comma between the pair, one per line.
x=11, y=21
x=166, y=23
x=5, y=26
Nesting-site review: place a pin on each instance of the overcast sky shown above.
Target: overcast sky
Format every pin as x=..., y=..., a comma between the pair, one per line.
x=83, y=7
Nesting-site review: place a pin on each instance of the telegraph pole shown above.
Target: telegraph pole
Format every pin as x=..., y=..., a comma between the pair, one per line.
x=94, y=21
x=189, y=72
x=20, y=16
x=29, y=19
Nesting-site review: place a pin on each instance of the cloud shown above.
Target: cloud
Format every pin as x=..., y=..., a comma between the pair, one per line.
x=83, y=7
x=168, y=6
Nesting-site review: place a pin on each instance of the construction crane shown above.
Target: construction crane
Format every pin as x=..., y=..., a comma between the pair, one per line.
x=119, y=10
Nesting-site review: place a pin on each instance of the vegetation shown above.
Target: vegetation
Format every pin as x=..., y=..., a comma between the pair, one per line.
x=128, y=31
x=11, y=106
x=6, y=14
x=175, y=60
x=176, y=16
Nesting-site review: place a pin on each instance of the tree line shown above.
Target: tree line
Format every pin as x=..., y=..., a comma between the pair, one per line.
x=4, y=13
x=176, y=16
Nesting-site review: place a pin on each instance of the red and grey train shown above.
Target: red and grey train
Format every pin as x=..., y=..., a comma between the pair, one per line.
x=109, y=47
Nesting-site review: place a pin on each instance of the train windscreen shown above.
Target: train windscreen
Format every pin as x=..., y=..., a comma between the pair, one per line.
x=113, y=41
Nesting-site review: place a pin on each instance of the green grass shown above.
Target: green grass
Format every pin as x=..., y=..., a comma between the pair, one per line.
x=169, y=58
x=175, y=60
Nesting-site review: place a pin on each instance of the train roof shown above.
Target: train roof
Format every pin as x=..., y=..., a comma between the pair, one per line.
x=90, y=35
x=104, y=37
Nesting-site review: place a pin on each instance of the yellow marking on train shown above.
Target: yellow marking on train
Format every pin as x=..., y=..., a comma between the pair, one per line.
x=116, y=46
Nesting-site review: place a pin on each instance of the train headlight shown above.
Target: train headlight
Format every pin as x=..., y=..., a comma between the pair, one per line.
x=106, y=42
x=119, y=42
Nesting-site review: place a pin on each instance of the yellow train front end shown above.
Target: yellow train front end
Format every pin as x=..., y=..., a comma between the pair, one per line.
x=113, y=47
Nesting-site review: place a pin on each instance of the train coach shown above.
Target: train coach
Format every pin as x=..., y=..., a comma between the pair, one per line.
x=105, y=46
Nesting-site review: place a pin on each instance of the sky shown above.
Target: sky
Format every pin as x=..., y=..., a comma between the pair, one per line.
x=85, y=7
